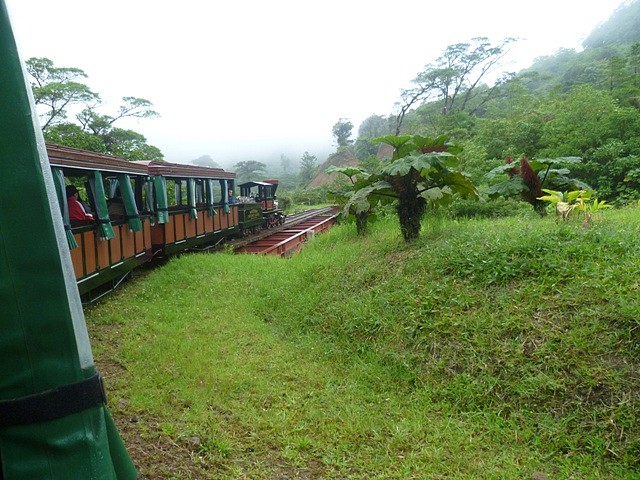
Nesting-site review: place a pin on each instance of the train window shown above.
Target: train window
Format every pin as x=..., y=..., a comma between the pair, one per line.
x=217, y=192
x=200, y=191
x=171, y=193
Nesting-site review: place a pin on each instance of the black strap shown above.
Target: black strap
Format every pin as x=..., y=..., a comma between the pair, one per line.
x=52, y=404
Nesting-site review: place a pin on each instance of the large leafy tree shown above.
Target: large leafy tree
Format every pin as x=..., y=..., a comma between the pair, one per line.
x=205, y=161
x=99, y=124
x=130, y=145
x=248, y=170
x=422, y=171
x=457, y=79
x=360, y=211
x=342, y=132
x=308, y=167
x=59, y=90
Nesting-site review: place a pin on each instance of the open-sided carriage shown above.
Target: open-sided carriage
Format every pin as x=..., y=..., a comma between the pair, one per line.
x=193, y=207
x=113, y=190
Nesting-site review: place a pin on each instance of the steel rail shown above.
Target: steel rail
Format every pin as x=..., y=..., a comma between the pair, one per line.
x=291, y=238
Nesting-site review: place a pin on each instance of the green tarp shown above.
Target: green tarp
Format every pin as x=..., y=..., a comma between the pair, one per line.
x=191, y=198
x=44, y=343
x=105, y=230
x=58, y=179
x=210, y=200
x=129, y=200
x=162, y=208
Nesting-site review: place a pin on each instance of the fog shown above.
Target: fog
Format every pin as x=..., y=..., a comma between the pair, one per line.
x=251, y=80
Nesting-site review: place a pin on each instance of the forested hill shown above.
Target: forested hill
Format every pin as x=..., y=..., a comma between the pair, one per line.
x=612, y=39
x=622, y=28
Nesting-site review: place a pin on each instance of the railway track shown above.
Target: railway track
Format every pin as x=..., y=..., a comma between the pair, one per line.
x=288, y=238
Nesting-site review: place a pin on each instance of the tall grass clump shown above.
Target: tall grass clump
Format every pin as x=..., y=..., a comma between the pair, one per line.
x=489, y=348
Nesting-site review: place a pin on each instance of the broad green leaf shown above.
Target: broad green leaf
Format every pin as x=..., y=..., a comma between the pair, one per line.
x=558, y=161
x=348, y=171
x=502, y=169
x=395, y=141
x=507, y=188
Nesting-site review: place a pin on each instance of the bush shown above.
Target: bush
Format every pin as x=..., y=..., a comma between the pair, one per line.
x=485, y=208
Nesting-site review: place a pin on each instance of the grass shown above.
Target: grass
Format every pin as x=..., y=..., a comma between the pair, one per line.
x=488, y=349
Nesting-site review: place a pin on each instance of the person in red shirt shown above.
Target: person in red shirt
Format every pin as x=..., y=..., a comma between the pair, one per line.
x=76, y=210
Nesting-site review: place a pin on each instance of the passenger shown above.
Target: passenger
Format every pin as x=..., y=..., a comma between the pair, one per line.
x=232, y=197
x=76, y=210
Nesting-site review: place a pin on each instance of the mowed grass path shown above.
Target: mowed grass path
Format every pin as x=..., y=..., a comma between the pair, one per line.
x=374, y=359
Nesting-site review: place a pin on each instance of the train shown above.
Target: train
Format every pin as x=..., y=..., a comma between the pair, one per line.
x=135, y=212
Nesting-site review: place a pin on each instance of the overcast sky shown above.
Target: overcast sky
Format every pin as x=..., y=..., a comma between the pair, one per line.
x=249, y=80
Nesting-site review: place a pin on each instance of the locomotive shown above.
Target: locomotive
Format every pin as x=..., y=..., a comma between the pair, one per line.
x=148, y=210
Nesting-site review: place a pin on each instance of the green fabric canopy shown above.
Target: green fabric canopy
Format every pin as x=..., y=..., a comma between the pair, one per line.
x=58, y=178
x=44, y=343
x=129, y=202
x=149, y=199
x=210, y=200
x=191, y=197
x=225, y=196
x=105, y=229
x=162, y=209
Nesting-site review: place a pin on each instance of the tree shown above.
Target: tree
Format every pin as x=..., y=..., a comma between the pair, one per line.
x=360, y=212
x=248, y=170
x=422, y=171
x=456, y=79
x=71, y=135
x=57, y=89
x=205, y=161
x=308, y=167
x=285, y=163
x=100, y=124
x=374, y=126
x=342, y=132
x=130, y=145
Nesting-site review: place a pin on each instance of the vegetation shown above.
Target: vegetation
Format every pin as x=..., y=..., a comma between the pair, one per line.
x=421, y=172
x=359, y=213
x=527, y=178
x=308, y=168
x=495, y=344
x=500, y=348
x=249, y=170
x=59, y=88
x=342, y=132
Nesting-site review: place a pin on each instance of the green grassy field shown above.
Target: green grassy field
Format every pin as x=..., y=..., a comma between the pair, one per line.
x=488, y=349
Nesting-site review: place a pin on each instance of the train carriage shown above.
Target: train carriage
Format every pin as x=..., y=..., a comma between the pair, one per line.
x=143, y=210
x=106, y=249
x=192, y=206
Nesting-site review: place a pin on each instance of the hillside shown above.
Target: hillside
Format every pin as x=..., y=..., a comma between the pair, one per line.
x=487, y=349
x=621, y=28
x=342, y=158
